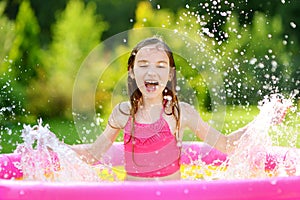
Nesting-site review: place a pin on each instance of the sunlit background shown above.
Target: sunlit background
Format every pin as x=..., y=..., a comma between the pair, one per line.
x=255, y=46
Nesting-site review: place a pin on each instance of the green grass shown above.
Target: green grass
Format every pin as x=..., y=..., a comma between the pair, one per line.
x=227, y=121
x=233, y=119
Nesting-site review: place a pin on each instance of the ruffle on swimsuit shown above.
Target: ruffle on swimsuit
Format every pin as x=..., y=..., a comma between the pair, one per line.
x=152, y=151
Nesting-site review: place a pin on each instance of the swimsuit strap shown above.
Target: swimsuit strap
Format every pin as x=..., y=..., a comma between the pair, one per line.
x=162, y=112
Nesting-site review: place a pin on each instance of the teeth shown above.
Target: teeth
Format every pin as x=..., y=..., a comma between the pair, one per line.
x=151, y=82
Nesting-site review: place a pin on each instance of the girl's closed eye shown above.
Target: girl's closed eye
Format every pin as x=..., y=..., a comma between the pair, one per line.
x=162, y=65
x=143, y=66
x=142, y=63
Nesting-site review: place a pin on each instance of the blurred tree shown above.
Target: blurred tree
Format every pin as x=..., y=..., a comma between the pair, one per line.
x=256, y=61
x=253, y=59
x=7, y=94
x=118, y=13
x=25, y=48
x=7, y=36
x=206, y=17
x=21, y=63
x=121, y=13
x=284, y=32
x=45, y=12
x=76, y=32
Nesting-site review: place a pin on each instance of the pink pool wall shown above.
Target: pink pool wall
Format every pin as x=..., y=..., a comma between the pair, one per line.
x=270, y=188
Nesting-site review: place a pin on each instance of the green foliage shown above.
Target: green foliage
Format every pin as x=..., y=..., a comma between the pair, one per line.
x=254, y=46
x=19, y=67
x=255, y=60
x=25, y=48
x=76, y=32
x=119, y=14
x=112, y=87
x=7, y=37
x=250, y=49
x=6, y=40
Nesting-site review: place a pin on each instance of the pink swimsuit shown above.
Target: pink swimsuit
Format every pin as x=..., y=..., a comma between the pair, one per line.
x=153, y=150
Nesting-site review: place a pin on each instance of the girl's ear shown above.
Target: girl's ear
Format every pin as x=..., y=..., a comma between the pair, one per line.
x=171, y=73
x=131, y=74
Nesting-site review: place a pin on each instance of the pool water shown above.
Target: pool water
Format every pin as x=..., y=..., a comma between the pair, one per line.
x=188, y=172
x=117, y=173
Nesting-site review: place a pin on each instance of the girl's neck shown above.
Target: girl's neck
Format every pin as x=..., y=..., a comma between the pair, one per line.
x=149, y=111
x=148, y=103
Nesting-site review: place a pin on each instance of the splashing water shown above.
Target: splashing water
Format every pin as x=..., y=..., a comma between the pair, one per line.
x=255, y=148
x=45, y=158
x=255, y=155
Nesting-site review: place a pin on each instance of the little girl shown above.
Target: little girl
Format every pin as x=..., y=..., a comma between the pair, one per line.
x=153, y=120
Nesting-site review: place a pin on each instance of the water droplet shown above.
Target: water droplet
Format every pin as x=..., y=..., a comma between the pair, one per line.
x=284, y=42
x=261, y=65
x=253, y=61
x=293, y=25
x=273, y=182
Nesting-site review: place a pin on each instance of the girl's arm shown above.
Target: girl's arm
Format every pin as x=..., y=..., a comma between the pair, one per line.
x=92, y=153
x=224, y=143
x=211, y=136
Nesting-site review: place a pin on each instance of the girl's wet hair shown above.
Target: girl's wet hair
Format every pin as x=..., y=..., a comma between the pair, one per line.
x=170, y=99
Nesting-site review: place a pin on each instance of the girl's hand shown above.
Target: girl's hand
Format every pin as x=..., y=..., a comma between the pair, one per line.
x=281, y=107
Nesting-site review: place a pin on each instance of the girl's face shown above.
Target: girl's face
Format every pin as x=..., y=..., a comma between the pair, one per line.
x=151, y=71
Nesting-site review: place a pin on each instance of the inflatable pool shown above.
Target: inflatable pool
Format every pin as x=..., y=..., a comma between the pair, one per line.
x=13, y=188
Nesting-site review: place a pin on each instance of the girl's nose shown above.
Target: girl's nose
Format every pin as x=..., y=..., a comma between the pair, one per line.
x=151, y=71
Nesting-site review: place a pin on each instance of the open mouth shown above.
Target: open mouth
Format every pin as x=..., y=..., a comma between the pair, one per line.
x=151, y=85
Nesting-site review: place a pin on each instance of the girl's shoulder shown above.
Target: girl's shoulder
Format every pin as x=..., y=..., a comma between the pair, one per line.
x=185, y=107
x=123, y=108
x=187, y=110
x=189, y=116
x=120, y=114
